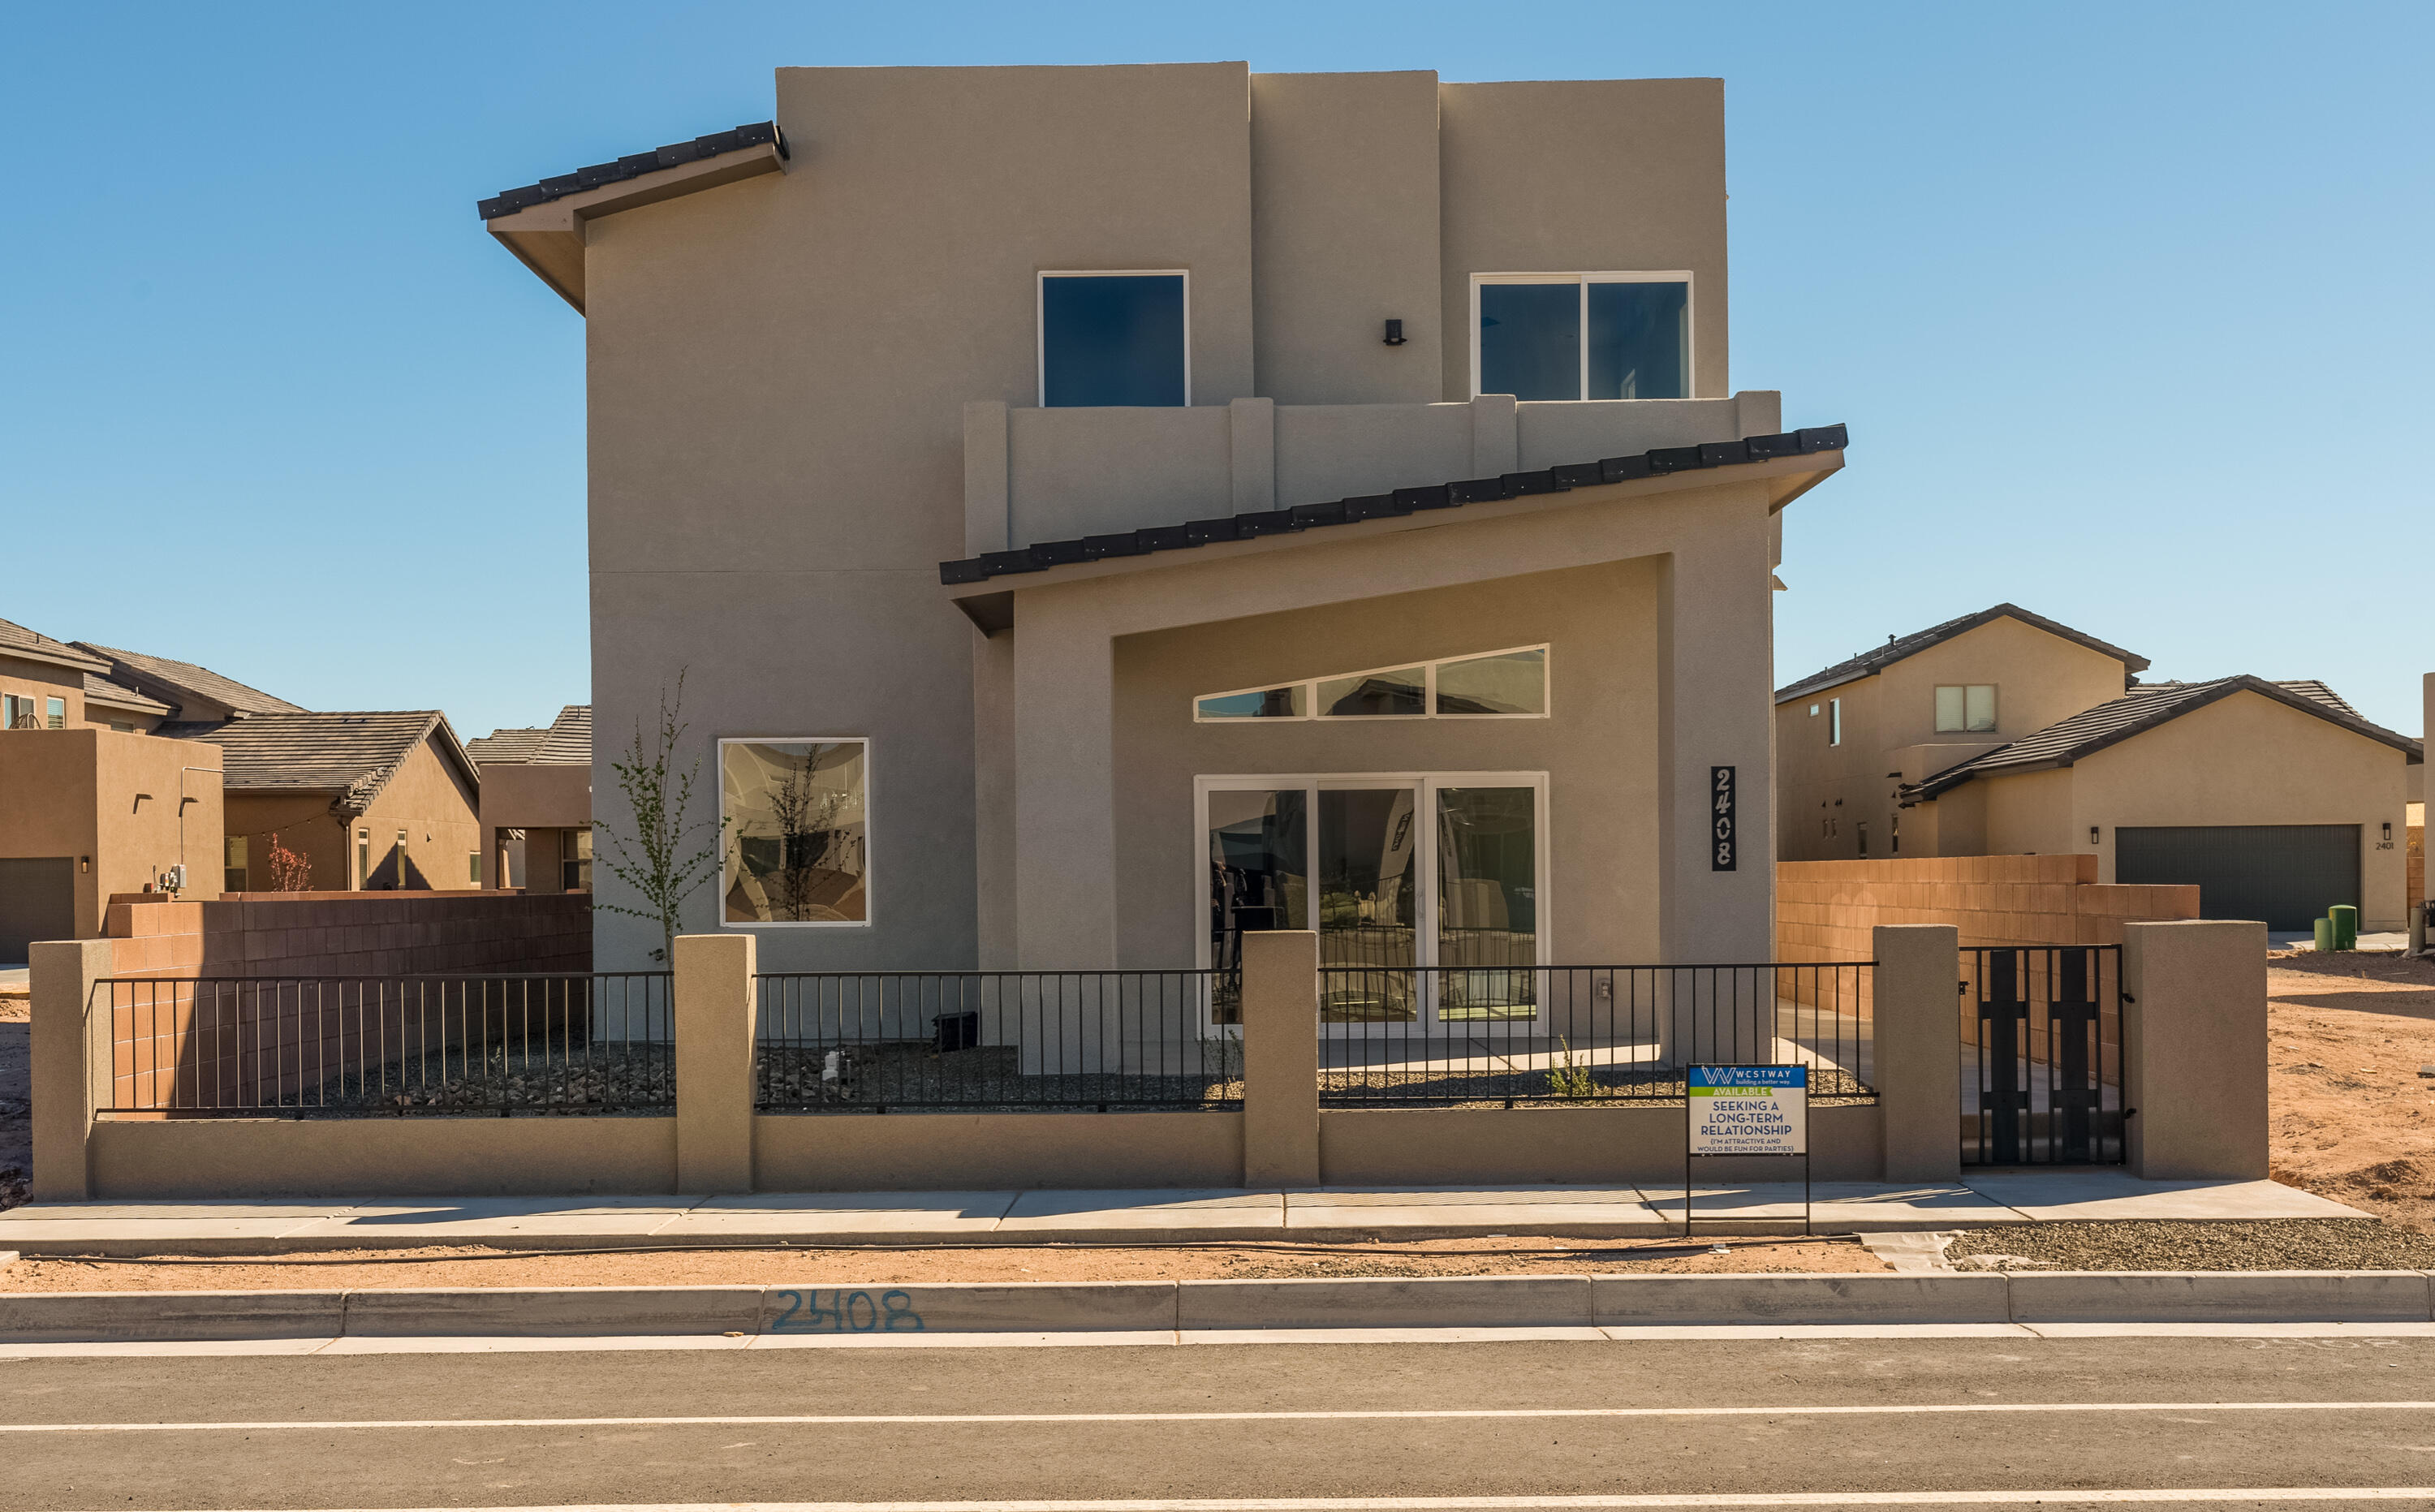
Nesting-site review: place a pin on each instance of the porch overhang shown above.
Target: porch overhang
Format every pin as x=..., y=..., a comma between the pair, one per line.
x=989, y=602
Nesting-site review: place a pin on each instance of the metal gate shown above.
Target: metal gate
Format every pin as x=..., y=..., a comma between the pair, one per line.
x=2042, y=1026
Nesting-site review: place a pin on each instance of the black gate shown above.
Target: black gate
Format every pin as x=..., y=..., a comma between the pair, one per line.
x=2043, y=1024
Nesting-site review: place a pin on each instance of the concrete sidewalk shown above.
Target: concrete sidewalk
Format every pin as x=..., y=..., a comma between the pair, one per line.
x=845, y=1218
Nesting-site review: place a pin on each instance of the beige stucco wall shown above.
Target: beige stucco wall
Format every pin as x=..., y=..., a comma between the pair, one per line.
x=1890, y=738
x=935, y=1152
x=1599, y=745
x=125, y=801
x=1446, y=1146
x=381, y=1157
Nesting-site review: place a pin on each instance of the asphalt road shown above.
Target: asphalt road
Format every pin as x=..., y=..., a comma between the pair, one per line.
x=1957, y=1422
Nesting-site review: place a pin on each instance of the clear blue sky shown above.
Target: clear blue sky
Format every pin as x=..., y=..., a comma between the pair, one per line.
x=2128, y=308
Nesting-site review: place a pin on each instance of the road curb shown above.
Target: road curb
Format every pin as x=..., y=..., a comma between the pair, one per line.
x=1408, y=1302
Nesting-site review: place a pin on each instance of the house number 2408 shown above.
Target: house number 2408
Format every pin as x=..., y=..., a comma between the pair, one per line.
x=1720, y=816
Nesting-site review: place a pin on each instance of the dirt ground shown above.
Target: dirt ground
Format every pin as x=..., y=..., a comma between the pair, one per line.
x=438, y=1267
x=2352, y=1118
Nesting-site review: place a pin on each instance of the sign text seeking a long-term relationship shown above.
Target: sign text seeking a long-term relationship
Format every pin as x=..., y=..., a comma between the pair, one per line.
x=1749, y=1110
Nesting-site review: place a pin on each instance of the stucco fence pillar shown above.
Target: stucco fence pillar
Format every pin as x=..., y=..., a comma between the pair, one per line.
x=71, y=1062
x=1281, y=1059
x=1917, y=1047
x=2194, y=1049
x=718, y=1019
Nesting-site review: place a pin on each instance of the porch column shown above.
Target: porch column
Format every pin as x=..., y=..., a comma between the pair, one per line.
x=1065, y=786
x=73, y=1061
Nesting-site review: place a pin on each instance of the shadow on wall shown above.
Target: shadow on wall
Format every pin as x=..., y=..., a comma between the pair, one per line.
x=397, y=872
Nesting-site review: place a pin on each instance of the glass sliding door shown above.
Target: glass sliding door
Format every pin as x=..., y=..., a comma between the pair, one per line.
x=1488, y=901
x=1394, y=874
x=1368, y=907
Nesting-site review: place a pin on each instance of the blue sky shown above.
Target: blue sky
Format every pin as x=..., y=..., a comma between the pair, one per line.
x=2128, y=308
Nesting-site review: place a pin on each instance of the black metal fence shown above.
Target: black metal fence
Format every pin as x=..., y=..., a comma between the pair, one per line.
x=2042, y=1027
x=1577, y=1036
x=877, y=1041
x=582, y=1043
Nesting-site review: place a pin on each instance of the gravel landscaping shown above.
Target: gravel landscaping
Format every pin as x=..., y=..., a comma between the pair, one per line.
x=2282, y=1243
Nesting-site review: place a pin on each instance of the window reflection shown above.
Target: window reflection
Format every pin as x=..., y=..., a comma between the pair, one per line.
x=1513, y=683
x=1488, y=906
x=796, y=816
x=1257, y=877
x=1368, y=916
x=1264, y=703
x=1403, y=691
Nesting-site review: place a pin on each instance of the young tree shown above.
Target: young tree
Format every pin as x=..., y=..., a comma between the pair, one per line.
x=290, y=870
x=654, y=858
x=803, y=811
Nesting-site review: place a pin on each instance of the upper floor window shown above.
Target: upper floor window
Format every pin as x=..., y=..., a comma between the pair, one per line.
x=56, y=717
x=1965, y=707
x=1833, y=721
x=1582, y=335
x=1114, y=338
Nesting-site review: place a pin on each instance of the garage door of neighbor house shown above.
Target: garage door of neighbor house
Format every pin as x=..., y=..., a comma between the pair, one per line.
x=2286, y=874
x=37, y=901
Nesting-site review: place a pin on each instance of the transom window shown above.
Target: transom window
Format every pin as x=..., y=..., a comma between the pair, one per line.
x=1966, y=707
x=1119, y=338
x=1582, y=335
x=1510, y=684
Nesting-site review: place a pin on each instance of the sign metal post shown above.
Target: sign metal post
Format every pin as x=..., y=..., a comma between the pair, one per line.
x=1745, y=1110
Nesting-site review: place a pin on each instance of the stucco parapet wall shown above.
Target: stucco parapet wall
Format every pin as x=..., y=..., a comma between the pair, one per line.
x=985, y=596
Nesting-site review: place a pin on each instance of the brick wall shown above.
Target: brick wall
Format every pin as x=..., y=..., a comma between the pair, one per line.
x=362, y=934
x=1825, y=909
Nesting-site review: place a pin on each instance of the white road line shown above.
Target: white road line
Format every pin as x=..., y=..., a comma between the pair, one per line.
x=2055, y=1498
x=924, y=1419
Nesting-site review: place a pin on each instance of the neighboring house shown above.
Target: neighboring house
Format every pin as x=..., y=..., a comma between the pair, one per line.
x=1093, y=510
x=194, y=695
x=537, y=803
x=372, y=800
x=90, y=804
x=2275, y=798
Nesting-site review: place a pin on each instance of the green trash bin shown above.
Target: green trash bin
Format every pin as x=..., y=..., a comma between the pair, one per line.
x=2325, y=933
x=2344, y=919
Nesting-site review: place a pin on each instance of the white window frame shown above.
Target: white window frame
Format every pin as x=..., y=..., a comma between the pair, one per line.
x=1425, y=858
x=1309, y=687
x=870, y=817
x=1040, y=319
x=1690, y=323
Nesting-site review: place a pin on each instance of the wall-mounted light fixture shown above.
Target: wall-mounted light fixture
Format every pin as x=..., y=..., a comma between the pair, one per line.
x=84, y=862
x=2387, y=830
x=2092, y=835
x=1394, y=332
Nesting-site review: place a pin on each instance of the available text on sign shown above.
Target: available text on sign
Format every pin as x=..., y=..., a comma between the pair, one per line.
x=1750, y=1109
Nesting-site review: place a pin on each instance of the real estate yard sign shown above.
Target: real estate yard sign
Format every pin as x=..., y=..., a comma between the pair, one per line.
x=1750, y=1109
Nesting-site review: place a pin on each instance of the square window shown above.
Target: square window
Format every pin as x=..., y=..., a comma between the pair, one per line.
x=1583, y=335
x=1514, y=682
x=1113, y=339
x=1965, y=708
x=797, y=814
x=1402, y=691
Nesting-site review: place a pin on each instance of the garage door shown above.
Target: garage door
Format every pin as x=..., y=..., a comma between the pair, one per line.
x=2286, y=874
x=37, y=901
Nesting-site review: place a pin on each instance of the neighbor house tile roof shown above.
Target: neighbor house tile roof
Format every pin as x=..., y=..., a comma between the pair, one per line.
x=185, y=677
x=1869, y=663
x=633, y=165
x=2143, y=709
x=507, y=744
x=98, y=689
x=570, y=737
x=15, y=640
x=1041, y=555
x=2305, y=687
x=351, y=756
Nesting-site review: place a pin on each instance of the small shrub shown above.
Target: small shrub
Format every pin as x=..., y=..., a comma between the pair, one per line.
x=1569, y=1077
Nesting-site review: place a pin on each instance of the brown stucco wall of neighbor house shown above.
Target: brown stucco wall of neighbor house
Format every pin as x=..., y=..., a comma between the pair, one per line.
x=1588, y=176
x=2244, y=759
x=438, y=809
x=125, y=801
x=1825, y=910
x=521, y=795
x=1599, y=746
x=344, y=934
x=1890, y=737
x=303, y=823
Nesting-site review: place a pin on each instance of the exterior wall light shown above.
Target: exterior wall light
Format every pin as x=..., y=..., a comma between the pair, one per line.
x=85, y=863
x=2388, y=831
x=2092, y=835
x=1394, y=332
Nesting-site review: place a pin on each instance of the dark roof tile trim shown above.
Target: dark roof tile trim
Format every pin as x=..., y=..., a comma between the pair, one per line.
x=1870, y=663
x=1042, y=555
x=2092, y=729
x=676, y=155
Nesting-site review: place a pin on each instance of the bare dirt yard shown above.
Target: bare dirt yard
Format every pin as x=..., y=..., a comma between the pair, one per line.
x=2353, y=1118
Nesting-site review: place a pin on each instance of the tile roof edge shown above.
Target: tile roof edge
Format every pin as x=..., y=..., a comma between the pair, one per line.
x=1870, y=663
x=633, y=165
x=1144, y=541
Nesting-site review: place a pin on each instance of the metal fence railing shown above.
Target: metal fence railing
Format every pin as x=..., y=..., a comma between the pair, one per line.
x=1573, y=1036
x=2042, y=1026
x=873, y=1041
x=578, y=1043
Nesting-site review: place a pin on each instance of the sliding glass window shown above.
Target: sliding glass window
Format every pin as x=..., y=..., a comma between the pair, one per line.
x=1583, y=335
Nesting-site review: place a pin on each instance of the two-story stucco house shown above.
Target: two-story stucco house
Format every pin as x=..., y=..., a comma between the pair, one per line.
x=2005, y=732
x=1097, y=509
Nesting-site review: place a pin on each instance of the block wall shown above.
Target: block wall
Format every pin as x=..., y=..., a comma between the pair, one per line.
x=1824, y=909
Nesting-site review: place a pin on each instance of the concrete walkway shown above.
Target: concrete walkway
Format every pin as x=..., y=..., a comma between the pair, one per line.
x=841, y=1218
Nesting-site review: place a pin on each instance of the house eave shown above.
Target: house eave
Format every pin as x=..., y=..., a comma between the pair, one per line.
x=549, y=239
